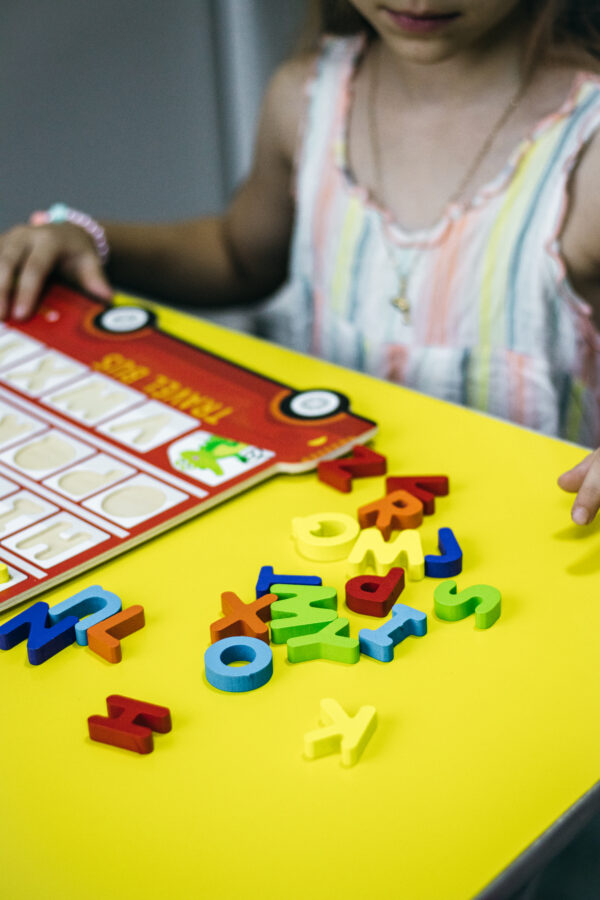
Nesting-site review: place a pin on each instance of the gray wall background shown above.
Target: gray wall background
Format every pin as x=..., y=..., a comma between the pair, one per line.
x=133, y=109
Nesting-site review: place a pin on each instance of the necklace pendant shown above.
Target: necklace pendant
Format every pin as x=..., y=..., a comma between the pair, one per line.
x=403, y=306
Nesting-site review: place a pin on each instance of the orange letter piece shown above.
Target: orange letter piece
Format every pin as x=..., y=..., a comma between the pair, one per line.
x=397, y=510
x=130, y=724
x=243, y=619
x=105, y=637
x=340, y=472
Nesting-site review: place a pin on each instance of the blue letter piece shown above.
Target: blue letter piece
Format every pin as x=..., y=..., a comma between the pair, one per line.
x=226, y=677
x=380, y=643
x=450, y=561
x=267, y=578
x=90, y=600
x=43, y=640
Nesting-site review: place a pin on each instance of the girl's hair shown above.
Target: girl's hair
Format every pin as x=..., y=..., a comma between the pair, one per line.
x=567, y=30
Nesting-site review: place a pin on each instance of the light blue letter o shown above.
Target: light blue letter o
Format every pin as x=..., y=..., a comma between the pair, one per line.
x=225, y=677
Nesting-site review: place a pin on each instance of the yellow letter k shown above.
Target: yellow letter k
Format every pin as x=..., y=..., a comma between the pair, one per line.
x=341, y=732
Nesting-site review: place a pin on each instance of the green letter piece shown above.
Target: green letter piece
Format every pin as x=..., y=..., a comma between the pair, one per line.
x=331, y=642
x=301, y=609
x=482, y=599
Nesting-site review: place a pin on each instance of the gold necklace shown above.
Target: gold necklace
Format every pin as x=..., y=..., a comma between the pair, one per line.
x=400, y=299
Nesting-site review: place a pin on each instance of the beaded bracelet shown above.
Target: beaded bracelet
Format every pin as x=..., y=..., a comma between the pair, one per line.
x=59, y=212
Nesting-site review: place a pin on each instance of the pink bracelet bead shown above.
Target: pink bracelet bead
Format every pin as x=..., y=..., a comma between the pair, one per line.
x=40, y=217
x=59, y=212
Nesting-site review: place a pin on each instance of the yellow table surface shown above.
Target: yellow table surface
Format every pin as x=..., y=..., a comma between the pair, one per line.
x=484, y=738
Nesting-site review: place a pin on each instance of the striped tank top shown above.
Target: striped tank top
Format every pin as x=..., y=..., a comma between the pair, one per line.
x=494, y=324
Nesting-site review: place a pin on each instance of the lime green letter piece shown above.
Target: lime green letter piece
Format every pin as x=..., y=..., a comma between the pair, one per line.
x=341, y=732
x=330, y=642
x=301, y=609
x=371, y=551
x=482, y=599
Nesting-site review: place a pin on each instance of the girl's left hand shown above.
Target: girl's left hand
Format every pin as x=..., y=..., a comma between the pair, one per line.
x=584, y=479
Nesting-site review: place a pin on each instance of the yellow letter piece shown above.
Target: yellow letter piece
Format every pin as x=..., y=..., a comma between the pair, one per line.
x=325, y=536
x=341, y=732
x=372, y=552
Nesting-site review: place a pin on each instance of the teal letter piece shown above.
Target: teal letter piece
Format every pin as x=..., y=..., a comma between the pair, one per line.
x=331, y=642
x=224, y=676
x=301, y=609
x=96, y=600
x=380, y=643
x=482, y=599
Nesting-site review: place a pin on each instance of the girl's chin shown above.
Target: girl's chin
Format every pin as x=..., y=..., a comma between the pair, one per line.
x=424, y=52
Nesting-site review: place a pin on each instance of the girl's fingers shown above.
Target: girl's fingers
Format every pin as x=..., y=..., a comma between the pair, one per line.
x=584, y=479
x=35, y=270
x=28, y=255
x=587, y=501
x=573, y=479
x=11, y=256
x=88, y=273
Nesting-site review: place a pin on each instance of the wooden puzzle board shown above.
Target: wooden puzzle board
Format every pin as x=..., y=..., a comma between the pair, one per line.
x=112, y=431
x=484, y=738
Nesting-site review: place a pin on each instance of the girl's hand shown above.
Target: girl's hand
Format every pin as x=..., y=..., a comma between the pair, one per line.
x=30, y=254
x=584, y=479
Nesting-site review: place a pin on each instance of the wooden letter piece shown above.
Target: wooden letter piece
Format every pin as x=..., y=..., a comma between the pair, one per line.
x=425, y=487
x=400, y=509
x=243, y=619
x=482, y=599
x=333, y=641
x=379, y=644
x=301, y=609
x=267, y=577
x=449, y=562
x=44, y=637
x=221, y=672
x=339, y=472
x=374, y=595
x=105, y=637
x=341, y=733
x=129, y=724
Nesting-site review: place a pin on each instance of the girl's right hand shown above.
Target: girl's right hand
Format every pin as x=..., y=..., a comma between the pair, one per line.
x=30, y=254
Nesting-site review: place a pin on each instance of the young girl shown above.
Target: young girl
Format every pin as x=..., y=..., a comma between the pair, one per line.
x=426, y=183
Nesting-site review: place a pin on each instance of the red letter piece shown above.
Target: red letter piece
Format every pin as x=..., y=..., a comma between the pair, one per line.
x=397, y=510
x=425, y=487
x=105, y=637
x=374, y=595
x=339, y=472
x=243, y=619
x=130, y=724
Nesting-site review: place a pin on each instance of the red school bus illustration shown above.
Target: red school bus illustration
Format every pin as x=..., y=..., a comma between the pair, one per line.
x=112, y=430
